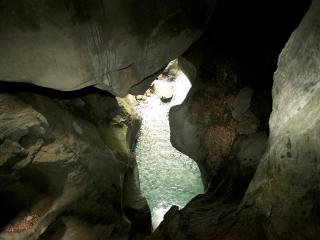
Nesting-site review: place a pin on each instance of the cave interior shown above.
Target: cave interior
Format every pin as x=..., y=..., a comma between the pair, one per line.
x=72, y=74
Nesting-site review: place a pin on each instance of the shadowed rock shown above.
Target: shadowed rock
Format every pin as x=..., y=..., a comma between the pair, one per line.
x=113, y=45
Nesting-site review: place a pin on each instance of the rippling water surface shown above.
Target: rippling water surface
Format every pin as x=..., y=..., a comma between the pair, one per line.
x=167, y=176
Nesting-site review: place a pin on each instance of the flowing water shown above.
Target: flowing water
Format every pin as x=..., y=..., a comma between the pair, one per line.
x=167, y=176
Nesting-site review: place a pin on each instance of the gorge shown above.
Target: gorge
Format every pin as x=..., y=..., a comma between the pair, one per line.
x=167, y=176
x=75, y=81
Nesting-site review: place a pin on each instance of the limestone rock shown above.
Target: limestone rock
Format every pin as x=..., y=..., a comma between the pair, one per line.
x=248, y=123
x=172, y=70
x=68, y=155
x=20, y=120
x=110, y=44
x=242, y=102
x=281, y=201
x=141, y=98
x=248, y=151
x=203, y=126
x=166, y=98
x=290, y=167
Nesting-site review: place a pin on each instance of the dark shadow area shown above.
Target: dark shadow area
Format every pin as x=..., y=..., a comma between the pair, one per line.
x=248, y=37
x=22, y=190
x=254, y=32
x=17, y=87
x=228, y=110
x=140, y=223
x=55, y=231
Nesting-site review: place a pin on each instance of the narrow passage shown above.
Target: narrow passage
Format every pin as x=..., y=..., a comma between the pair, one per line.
x=167, y=176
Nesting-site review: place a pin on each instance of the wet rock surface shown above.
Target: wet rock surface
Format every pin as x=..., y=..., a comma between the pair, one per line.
x=66, y=168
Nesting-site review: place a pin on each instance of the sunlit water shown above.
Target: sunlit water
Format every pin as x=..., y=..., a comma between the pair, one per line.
x=167, y=176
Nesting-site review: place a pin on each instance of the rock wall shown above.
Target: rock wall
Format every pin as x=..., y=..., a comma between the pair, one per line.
x=66, y=168
x=218, y=126
x=282, y=199
x=113, y=45
x=285, y=190
x=218, y=115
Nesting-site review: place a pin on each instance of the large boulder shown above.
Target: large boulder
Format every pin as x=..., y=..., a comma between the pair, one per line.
x=111, y=44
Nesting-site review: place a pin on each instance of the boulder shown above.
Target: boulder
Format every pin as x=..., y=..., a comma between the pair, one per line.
x=203, y=126
x=172, y=70
x=242, y=102
x=163, y=89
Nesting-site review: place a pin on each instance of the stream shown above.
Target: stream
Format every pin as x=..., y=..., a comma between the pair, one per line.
x=167, y=176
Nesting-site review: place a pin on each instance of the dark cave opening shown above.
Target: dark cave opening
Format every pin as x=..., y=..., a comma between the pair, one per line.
x=250, y=34
x=253, y=32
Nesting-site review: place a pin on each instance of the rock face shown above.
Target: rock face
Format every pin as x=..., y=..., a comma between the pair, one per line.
x=282, y=199
x=215, y=113
x=205, y=127
x=111, y=44
x=66, y=167
x=285, y=190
